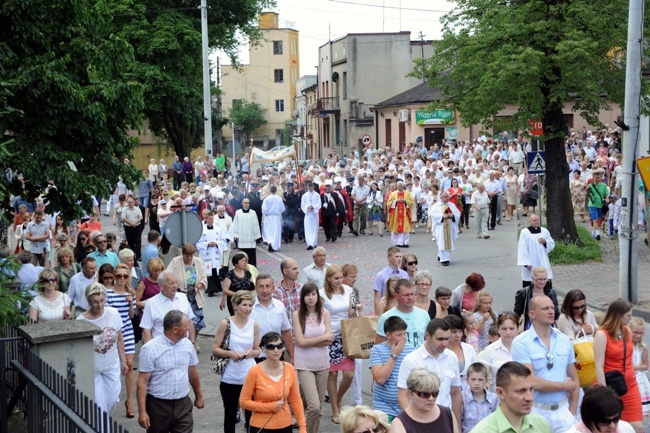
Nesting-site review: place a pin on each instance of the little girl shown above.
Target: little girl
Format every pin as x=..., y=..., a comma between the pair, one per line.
x=640, y=361
x=484, y=316
x=471, y=334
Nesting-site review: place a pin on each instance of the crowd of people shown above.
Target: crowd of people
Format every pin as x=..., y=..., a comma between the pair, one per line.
x=443, y=360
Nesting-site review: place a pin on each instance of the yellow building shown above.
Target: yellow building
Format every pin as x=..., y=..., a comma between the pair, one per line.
x=269, y=79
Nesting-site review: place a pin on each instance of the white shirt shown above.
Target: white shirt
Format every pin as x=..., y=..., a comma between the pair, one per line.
x=271, y=319
x=493, y=357
x=159, y=305
x=445, y=366
x=480, y=199
x=77, y=289
x=312, y=274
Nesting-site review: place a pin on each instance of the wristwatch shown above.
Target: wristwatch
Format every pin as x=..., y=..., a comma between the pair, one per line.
x=393, y=356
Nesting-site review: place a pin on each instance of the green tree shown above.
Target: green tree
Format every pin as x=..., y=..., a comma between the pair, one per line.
x=247, y=116
x=537, y=55
x=166, y=35
x=65, y=101
x=287, y=133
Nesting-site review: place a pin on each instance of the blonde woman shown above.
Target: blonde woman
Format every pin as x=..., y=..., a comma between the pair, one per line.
x=49, y=304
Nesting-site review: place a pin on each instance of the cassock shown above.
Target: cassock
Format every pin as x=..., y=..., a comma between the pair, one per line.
x=256, y=205
x=445, y=230
x=211, y=256
x=225, y=224
x=291, y=205
x=399, y=217
x=310, y=205
x=246, y=230
x=532, y=253
x=272, y=208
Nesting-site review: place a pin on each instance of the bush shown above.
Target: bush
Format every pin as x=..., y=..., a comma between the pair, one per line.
x=11, y=299
x=573, y=254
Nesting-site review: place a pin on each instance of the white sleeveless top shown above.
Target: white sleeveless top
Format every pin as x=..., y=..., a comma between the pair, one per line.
x=241, y=340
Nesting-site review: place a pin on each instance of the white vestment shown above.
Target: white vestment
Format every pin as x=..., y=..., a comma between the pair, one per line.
x=437, y=212
x=246, y=229
x=272, y=208
x=211, y=256
x=311, y=198
x=225, y=224
x=532, y=253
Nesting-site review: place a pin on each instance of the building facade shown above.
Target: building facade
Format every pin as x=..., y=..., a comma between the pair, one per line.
x=303, y=135
x=269, y=79
x=355, y=72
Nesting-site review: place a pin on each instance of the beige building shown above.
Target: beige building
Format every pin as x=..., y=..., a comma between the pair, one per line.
x=355, y=72
x=304, y=121
x=269, y=79
x=406, y=116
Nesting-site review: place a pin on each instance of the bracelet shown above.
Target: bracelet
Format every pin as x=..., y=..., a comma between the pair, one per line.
x=123, y=360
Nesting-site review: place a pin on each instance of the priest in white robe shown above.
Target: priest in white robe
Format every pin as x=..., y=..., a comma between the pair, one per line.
x=272, y=208
x=310, y=205
x=224, y=221
x=535, y=244
x=210, y=245
x=246, y=231
x=445, y=218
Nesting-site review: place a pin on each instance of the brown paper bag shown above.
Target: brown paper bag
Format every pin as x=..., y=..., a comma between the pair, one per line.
x=359, y=336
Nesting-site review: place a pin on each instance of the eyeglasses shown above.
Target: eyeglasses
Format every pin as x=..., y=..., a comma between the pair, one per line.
x=578, y=307
x=607, y=421
x=98, y=303
x=121, y=276
x=101, y=242
x=279, y=346
x=375, y=429
x=414, y=262
x=426, y=395
x=50, y=280
x=549, y=360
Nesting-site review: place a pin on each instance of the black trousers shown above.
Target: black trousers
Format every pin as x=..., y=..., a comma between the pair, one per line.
x=252, y=255
x=329, y=226
x=493, y=211
x=133, y=238
x=464, y=218
x=177, y=181
x=230, y=396
x=214, y=283
x=170, y=416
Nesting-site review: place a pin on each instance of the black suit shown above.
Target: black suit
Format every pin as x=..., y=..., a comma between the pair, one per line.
x=331, y=206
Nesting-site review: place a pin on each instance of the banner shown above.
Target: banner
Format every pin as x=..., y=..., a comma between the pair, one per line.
x=259, y=156
x=435, y=117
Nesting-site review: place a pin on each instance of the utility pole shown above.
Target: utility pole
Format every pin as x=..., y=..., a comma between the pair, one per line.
x=421, y=36
x=219, y=106
x=629, y=232
x=207, y=103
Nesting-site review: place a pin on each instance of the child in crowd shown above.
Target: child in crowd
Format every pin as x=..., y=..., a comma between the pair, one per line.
x=484, y=316
x=478, y=402
x=493, y=333
x=471, y=334
x=612, y=213
x=640, y=361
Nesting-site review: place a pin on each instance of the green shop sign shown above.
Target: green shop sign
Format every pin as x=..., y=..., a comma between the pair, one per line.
x=435, y=117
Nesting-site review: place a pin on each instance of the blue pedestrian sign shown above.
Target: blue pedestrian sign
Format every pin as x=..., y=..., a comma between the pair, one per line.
x=536, y=162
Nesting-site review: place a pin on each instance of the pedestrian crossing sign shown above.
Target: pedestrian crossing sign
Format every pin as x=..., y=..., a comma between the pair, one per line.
x=536, y=162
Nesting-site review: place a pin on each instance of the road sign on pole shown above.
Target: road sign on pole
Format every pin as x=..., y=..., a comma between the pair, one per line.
x=536, y=162
x=536, y=128
x=366, y=139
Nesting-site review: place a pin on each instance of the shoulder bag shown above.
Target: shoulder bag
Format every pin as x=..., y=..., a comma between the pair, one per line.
x=615, y=379
x=217, y=363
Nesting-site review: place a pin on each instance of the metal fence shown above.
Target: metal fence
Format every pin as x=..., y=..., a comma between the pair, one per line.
x=50, y=403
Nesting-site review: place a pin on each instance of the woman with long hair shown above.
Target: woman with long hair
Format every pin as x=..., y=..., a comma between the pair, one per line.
x=613, y=351
x=389, y=300
x=83, y=240
x=464, y=352
x=313, y=333
x=410, y=265
x=500, y=352
x=574, y=316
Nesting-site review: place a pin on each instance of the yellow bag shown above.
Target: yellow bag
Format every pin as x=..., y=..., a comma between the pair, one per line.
x=359, y=336
x=584, y=349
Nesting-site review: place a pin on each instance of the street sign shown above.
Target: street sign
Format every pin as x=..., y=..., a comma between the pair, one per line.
x=536, y=162
x=183, y=227
x=536, y=128
x=366, y=139
x=644, y=170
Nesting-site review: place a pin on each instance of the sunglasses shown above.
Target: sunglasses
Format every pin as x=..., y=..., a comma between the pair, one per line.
x=108, y=278
x=83, y=239
x=50, y=280
x=607, y=421
x=279, y=346
x=414, y=262
x=121, y=276
x=426, y=395
x=375, y=429
x=579, y=307
x=549, y=360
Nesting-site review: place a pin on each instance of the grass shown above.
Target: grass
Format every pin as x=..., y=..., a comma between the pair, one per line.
x=573, y=254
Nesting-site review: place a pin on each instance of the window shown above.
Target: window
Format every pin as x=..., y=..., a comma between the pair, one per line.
x=237, y=104
x=279, y=105
x=345, y=85
x=278, y=75
x=277, y=47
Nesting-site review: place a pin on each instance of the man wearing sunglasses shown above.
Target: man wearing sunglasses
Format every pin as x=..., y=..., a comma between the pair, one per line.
x=550, y=357
x=101, y=254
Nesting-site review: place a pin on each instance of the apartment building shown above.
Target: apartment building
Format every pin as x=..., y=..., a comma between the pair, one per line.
x=305, y=121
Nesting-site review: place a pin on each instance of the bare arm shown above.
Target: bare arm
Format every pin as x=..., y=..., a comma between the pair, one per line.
x=193, y=374
x=600, y=345
x=33, y=315
x=146, y=335
x=456, y=402
x=379, y=304
x=574, y=395
x=138, y=296
x=397, y=427
x=143, y=417
x=403, y=398
x=288, y=343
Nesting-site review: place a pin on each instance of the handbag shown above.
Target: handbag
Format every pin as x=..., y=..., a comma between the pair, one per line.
x=358, y=336
x=284, y=388
x=217, y=363
x=615, y=379
x=583, y=346
x=522, y=318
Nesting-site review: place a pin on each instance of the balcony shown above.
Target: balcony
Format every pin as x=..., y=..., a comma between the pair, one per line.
x=327, y=105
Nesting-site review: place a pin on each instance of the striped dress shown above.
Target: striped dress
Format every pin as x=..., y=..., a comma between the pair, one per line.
x=118, y=302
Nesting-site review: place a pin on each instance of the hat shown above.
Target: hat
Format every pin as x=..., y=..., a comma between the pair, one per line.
x=163, y=201
x=220, y=195
x=338, y=179
x=206, y=187
x=328, y=182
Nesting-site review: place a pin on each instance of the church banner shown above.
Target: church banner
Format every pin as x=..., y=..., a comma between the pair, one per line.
x=259, y=156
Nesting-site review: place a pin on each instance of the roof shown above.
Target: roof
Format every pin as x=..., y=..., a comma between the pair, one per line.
x=421, y=93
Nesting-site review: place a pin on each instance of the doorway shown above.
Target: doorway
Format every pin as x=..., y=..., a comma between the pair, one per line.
x=433, y=136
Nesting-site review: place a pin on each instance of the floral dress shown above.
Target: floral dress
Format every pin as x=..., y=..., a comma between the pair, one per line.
x=578, y=195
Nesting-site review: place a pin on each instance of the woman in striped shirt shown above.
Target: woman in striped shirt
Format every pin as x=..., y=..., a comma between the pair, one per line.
x=121, y=297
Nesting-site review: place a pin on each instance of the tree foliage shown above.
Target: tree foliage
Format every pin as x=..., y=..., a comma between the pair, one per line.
x=537, y=55
x=65, y=100
x=247, y=117
x=166, y=35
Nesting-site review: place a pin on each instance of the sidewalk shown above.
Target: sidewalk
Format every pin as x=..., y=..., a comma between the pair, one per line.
x=599, y=280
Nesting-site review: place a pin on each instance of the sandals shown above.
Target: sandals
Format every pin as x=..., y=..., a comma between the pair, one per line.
x=335, y=419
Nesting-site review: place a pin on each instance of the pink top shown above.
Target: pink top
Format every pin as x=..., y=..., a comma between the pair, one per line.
x=151, y=289
x=469, y=299
x=312, y=358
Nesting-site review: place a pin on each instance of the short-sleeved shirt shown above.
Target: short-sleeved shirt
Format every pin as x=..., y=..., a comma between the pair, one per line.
x=383, y=276
x=313, y=274
x=37, y=230
x=416, y=324
x=597, y=194
x=168, y=364
x=289, y=298
x=159, y=305
x=528, y=348
x=475, y=411
x=498, y=423
x=445, y=366
x=108, y=257
x=105, y=343
x=271, y=319
x=384, y=397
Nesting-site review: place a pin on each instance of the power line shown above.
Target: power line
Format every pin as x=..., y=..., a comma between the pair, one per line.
x=389, y=7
